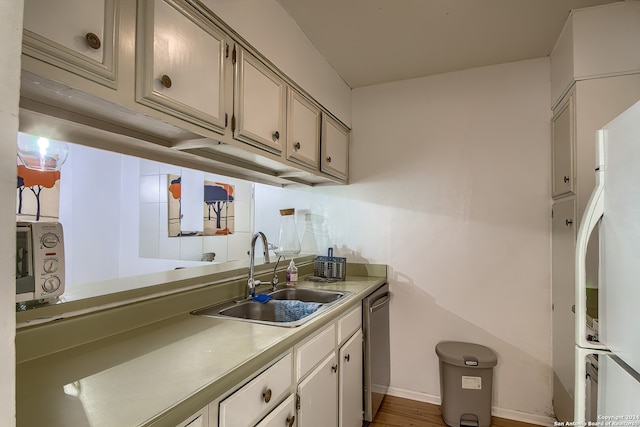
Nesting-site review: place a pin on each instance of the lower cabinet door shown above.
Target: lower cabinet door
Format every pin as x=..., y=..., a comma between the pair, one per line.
x=283, y=416
x=351, y=386
x=319, y=396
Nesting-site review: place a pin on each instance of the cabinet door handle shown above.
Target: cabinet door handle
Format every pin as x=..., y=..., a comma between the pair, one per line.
x=166, y=81
x=276, y=136
x=568, y=222
x=566, y=179
x=291, y=420
x=93, y=41
x=347, y=357
x=328, y=159
x=334, y=368
x=296, y=146
x=267, y=395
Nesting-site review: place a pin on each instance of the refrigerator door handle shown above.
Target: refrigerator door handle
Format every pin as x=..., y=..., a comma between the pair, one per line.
x=592, y=214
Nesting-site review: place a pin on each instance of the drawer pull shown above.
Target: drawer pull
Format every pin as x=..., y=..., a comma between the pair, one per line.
x=296, y=146
x=291, y=420
x=566, y=179
x=275, y=136
x=347, y=357
x=166, y=81
x=334, y=368
x=267, y=395
x=329, y=159
x=93, y=41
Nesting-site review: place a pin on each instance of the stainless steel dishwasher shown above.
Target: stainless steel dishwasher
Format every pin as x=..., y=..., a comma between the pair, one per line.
x=377, y=372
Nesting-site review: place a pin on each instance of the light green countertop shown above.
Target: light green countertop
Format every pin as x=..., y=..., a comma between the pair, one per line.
x=161, y=373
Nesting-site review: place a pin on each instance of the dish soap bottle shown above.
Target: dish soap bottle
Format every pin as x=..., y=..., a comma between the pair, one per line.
x=292, y=274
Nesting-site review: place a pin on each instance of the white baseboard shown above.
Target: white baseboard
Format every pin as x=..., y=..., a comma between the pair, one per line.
x=509, y=414
x=414, y=395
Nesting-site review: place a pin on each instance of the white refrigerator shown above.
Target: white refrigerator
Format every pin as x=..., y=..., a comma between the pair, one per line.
x=615, y=205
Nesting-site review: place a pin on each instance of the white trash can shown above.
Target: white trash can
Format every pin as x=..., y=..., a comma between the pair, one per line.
x=466, y=383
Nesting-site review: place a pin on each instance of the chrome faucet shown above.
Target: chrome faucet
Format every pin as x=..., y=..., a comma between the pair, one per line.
x=251, y=282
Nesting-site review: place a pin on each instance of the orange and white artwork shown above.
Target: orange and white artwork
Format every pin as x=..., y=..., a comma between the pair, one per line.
x=37, y=195
x=219, y=218
x=174, y=204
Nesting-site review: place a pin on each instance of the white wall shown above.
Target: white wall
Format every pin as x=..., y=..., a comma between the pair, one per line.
x=90, y=214
x=450, y=188
x=10, y=49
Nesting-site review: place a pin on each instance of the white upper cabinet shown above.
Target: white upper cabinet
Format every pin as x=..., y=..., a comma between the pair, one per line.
x=334, y=148
x=563, y=143
x=303, y=130
x=259, y=104
x=171, y=73
x=181, y=68
x=595, y=42
x=76, y=35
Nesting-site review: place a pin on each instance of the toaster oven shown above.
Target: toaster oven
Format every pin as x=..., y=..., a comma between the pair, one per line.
x=39, y=261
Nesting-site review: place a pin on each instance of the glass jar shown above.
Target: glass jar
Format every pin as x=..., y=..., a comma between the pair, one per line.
x=288, y=243
x=315, y=238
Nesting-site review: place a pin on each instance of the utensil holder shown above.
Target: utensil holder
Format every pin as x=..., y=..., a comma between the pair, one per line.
x=330, y=267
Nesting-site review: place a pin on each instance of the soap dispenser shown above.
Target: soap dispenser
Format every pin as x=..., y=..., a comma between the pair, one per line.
x=292, y=274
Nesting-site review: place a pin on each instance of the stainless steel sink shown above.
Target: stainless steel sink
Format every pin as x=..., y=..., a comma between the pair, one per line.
x=308, y=295
x=265, y=313
x=251, y=310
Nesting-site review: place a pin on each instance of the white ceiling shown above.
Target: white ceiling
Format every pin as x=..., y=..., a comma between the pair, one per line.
x=376, y=41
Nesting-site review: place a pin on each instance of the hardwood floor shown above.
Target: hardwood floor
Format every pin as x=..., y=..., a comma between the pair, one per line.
x=398, y=412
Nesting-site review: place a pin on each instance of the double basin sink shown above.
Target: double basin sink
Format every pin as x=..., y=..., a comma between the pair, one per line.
x=269, y=312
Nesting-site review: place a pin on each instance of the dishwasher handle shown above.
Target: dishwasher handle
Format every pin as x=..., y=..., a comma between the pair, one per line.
x=380, y=302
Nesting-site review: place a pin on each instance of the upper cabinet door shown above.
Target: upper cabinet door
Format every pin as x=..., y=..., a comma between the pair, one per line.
x=335, y=148
x=76, y=35
x=563, y=141
x=303, y=130
x=259, y=104
x=181, y=63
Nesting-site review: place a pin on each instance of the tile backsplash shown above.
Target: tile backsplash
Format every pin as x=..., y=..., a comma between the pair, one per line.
x=154, y=207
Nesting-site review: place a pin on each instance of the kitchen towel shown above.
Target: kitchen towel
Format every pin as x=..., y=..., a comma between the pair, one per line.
x=292, y=310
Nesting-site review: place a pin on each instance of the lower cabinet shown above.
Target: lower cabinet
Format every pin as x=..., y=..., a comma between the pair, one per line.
x=317, y=383
x=283, y=416
x=199, y=419
x=250, y=403
x=336, y=377
x=317, y=393
x=350, y=380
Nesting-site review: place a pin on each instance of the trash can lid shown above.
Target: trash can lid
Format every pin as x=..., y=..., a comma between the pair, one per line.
x=466, y=354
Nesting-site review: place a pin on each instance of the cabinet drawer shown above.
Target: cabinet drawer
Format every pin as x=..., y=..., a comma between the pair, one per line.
x=313, y=351
x=199, y=419
x=283, y=415
x=349, y=323
x=256, y=398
